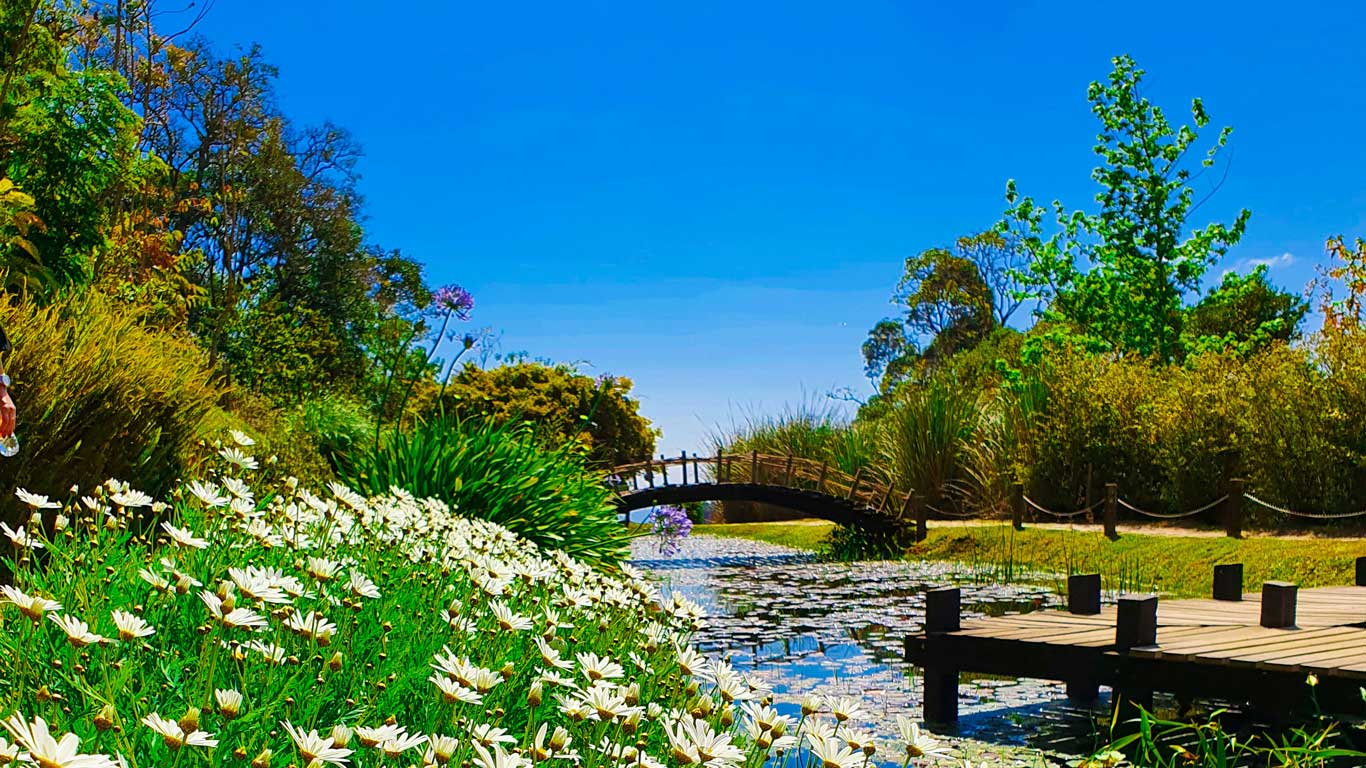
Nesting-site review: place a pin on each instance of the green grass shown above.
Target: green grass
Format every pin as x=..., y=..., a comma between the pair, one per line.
x=1177, y=565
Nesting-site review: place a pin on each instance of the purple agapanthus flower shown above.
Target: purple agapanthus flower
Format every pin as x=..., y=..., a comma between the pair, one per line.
x=671, y=525
x=454, y=299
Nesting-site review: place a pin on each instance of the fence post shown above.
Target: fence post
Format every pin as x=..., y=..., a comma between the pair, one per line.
x=1233, y=513
x=886, y=497
x=650, y=471
x=922, y=517
x=664, y=469
x=908, y=511
x=754, y=466
x=1017, y=506
x=1111, y=511
x=720, y=466
x=943, y=613
x=1228, y=582
x=820, y=481
x=787, y=473
x=683, y=459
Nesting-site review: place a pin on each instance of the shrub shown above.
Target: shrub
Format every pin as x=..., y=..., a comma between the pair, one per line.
x=100, y=397
x=923, y=439
x=501, y=473
x=337, y=424
x=565, y=405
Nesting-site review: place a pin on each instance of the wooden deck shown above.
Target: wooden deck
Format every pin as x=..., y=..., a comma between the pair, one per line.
x=1258, y=648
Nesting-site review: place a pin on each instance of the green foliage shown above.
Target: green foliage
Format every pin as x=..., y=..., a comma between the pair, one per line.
x=565, y=406
x=1161, y=743
x=812, y=429
x=923, y=439
x=1243, y=314
x=502, y=473
x=100, y=397
x=338, y=424
x=1118, y=276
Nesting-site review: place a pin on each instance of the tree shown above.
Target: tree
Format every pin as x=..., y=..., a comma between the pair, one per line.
x=999, y=261
x=564, y=405
x=946, y=306
x=1119, y=275
x=1349, y=312
x=1244, y=314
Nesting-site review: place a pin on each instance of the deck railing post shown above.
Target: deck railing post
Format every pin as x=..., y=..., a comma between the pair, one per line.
x=853, y=487
x=1361, y=572
x=1083, y=599
x=1111, y=511
x=1278, y=604
x=820, y=480
x=1017, y=506
x=943, y=613
x=787, y=472
x=754, y=466
x=1083, y=594
x=922, y=517
x=720, y=466
x=908, y=508
x=1233, y=510
x=664, y=469
x=683, y=459
x=1136, y=621
x=886, y=497
x=650, y=472
x=1228, y=582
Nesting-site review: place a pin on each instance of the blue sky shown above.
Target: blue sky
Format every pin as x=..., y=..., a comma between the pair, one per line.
x=715, y=198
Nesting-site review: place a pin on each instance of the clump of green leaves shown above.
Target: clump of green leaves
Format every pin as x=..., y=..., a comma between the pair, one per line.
x=1118, y=276
x=504, y=474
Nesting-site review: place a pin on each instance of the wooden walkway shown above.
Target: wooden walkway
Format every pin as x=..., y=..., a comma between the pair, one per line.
x=1257, y=648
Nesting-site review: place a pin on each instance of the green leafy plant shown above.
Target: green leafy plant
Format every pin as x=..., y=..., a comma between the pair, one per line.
x=501, y=473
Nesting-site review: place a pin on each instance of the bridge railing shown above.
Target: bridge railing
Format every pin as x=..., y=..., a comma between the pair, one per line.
x=863, y=487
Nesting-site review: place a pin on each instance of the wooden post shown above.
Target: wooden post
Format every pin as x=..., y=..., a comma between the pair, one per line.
x=1083, y=594
x=1135, y=626
x=908, y=508
x=1083, y=598
x=853, y=487
x=1228, y=582
x=1361, y=572
x=1017, y=506
x=696, y=474
x=664, y=469
x=922, y=516
x=754, y=466
x=943, y=613
x=650, y=472
x=1233, y=510
x=683, y=459
x=1136, y=622
x=886, y=497
x=787, y=473
x=1278, y=604
x=1111, y=511
x=720, y=466
x=820, y=481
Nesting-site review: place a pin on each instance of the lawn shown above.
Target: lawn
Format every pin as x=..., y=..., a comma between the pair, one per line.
x=1168, y=563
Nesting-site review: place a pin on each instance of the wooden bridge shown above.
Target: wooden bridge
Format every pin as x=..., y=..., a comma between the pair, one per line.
x=810, y=487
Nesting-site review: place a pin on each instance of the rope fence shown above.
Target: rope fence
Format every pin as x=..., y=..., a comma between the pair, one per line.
x=1062, y=515
x=1305, y=515
x=1172, y=515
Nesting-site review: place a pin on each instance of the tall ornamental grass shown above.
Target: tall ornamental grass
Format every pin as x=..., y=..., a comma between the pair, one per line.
x=923, y=440
x=501, y=473
x=99, y=396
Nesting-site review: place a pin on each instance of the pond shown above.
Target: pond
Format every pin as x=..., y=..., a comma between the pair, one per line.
x=838, y=628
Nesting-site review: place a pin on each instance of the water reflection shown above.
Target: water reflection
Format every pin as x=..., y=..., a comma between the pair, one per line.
x=839, y=629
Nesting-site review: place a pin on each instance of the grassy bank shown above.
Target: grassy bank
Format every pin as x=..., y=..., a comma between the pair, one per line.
x=1168, y=563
